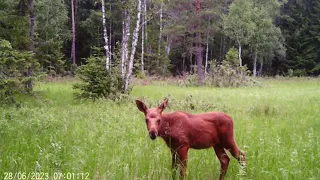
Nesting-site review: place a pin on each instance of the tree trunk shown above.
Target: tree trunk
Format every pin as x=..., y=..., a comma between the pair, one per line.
x=146, y=24
x=223, y=38
x=221, y=48
x=105, y=36
x=31, y=46
x=125, y=40
x=240, y=52
x=261, y=66
x=73, y=48
x=183, y=64
x=22, y=8
x=135, y=38
x=168, y=46
x=160, y=33
x=199, y=47
x=199, y=62
x=32, y=20
x=110, y=35
x=207, y=54
x=255, y=63
x=142, y=34
x=191, y=68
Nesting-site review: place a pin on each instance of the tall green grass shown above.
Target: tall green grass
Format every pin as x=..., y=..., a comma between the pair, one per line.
x=277, y=125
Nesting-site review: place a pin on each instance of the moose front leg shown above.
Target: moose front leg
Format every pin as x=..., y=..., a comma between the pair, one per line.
x=174, y=155
x=183, y=159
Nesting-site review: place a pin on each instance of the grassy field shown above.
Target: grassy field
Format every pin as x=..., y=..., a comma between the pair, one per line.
x=277, y=125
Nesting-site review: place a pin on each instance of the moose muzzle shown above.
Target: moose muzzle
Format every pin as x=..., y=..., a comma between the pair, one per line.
x=153, y=134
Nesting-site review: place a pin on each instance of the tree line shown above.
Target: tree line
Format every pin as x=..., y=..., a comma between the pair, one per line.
x=159, y=37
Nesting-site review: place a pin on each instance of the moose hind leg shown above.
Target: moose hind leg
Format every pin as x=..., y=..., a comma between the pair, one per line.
x=239, y=155
x=224, y=160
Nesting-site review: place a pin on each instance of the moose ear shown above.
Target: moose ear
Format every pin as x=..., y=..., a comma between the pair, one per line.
x=141, y=106
x=163, y=105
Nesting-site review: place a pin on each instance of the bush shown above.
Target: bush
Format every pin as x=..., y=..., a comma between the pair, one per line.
x=18, y=70
x=97, y=82
x=227, y=74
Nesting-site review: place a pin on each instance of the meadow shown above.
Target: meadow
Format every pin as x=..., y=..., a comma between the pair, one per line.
x=277, y=124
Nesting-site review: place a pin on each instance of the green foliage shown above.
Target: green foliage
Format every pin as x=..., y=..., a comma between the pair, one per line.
x=232, y=58
x=97, y=82
x=238, y=23
x=14, y=24
x=15, y=70
x=229, y=73
x=250, y=24
x=226, y=74
x=53, y=17
x=157, y=65
x=300, y=25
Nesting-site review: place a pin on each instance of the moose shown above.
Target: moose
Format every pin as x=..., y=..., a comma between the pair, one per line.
x=181, y=131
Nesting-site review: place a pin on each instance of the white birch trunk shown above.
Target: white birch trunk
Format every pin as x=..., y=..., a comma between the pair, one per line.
x=168, y=46
x=105, y=36
x=125, y=38
x=160, y=34
x=135, y=38
x=240, y=52
x=255, y=63
x=110, y=35
x=191, y=68
x=261, y=66
x=146, y=24
x=207, y=54
x=142, y=35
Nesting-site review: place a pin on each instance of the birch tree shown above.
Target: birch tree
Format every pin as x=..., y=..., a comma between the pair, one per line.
x=267, y=38
x=160, y=28
x=105, y=36
x=143, y=17
x=126, y=21
x=110, y=33
x=239, y=25
x=207, y=53
x=135, y=37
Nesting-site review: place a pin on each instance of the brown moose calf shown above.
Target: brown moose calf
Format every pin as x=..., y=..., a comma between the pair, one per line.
x=182, y=131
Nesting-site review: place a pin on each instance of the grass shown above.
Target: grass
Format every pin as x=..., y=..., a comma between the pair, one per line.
x=277, y=125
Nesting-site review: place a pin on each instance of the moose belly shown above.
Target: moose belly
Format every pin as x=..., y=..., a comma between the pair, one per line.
x=203, y=140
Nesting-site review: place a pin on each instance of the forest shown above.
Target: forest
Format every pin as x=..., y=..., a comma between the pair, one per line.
x=159, y=37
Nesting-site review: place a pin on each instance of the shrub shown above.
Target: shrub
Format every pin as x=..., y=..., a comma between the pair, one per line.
x=227, y=74
x=97, y=82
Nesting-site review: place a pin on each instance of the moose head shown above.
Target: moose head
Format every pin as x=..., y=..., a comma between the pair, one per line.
x=153, y=117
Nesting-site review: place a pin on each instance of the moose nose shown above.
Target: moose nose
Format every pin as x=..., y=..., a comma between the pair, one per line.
x=153, y=135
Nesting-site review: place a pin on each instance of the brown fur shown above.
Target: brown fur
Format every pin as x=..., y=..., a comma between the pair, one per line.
x=182, y=131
